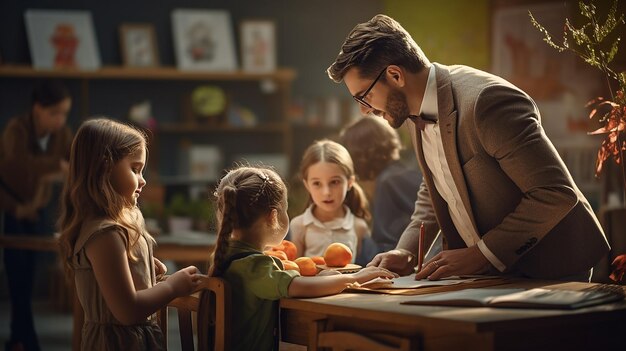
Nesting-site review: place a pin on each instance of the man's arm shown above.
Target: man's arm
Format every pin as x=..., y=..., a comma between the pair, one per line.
x=507, y=124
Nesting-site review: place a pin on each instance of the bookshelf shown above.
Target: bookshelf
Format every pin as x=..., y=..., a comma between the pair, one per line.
x=272, y=133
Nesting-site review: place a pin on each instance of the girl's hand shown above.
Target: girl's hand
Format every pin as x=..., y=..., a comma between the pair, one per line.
x=185, y=281
x=368, y=273
x=324, y=272
x=159, y=268
x=399, y=261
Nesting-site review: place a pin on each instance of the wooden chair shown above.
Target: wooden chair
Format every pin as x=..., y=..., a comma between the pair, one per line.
x=211, y=306
x=321, y=335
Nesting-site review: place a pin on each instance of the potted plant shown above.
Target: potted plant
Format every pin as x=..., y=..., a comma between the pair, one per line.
x=203, y=215
x=179, y=214
x=595, y=43
x=151, y=215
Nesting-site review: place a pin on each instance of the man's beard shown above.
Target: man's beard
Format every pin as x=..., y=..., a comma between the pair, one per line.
x=397, y=108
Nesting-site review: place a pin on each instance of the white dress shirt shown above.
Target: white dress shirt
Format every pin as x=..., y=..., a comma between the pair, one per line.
x=438, y=165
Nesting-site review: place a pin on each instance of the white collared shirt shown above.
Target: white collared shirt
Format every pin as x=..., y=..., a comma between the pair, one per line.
x=438, y=164
x=317, y=235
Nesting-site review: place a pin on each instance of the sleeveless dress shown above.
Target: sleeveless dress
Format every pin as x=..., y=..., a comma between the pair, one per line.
x=101, y=331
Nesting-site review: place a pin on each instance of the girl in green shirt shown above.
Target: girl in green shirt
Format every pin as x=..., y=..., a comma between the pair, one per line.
x=252, y=214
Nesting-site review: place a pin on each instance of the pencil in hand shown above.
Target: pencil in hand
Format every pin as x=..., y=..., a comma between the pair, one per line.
x=420, y=248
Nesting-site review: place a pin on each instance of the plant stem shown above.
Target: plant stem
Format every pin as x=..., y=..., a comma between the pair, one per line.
x=621, y=156
x=608, y=83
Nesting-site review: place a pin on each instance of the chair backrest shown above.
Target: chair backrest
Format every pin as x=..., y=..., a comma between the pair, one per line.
x=211, y=307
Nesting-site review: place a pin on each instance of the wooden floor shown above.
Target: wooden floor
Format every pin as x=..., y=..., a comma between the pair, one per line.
x=54, y=327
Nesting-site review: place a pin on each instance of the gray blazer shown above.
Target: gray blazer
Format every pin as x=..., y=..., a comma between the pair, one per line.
x=518, y=192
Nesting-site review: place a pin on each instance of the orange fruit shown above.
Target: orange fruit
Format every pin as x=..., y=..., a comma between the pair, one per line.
x=337, y=255
x=318, y=260
x=290, y=265
x=280, y=254
x=290, y=249
x=307, y=266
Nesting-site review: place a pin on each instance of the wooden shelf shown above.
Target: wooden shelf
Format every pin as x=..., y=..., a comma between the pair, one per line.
x=207, y=128
x=156, y=73
x=277, y=130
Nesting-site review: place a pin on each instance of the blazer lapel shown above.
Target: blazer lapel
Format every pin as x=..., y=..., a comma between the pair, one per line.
x=448, y=118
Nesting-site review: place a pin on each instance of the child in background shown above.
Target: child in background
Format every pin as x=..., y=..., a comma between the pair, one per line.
x=375, y=149
x=252, y=215
x=337, y=207
x=105, y=244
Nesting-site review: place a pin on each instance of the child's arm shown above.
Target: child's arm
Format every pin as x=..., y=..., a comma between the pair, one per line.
x=107, y=254
x=334, y=284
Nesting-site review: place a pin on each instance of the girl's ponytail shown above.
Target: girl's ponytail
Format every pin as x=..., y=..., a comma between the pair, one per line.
x=357, y=202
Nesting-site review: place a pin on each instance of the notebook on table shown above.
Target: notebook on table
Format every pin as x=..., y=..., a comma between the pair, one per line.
x=537, y=298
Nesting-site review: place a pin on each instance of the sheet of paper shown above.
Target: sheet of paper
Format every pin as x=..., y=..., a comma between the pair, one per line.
x=466, y=297
x=409, y=282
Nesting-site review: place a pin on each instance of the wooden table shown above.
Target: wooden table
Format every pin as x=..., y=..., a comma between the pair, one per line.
x=461, y=328
x=185, y=247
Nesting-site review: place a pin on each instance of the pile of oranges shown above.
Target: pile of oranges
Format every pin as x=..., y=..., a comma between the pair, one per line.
x=336, y=255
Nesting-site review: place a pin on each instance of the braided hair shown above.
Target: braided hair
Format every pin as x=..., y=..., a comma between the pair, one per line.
x=243, y=195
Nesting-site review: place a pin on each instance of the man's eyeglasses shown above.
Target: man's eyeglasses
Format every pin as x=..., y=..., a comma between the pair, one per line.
x=360, y=99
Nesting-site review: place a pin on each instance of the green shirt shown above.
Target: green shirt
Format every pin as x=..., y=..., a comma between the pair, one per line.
x=257, y=283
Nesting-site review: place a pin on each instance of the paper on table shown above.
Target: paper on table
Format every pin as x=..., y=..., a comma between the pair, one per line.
x=409, y=282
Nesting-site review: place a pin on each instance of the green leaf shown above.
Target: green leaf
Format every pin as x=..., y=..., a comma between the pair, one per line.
x=613, y=51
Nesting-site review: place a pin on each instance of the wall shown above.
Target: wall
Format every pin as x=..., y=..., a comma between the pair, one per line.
x=449, y=31
x=309, y=32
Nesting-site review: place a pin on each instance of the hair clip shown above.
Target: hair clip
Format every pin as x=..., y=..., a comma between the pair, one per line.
x=256, y=196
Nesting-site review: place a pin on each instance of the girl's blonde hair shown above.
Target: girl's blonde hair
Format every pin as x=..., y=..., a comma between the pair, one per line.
x=243, y=195
x=88, y=194
x=332, y=152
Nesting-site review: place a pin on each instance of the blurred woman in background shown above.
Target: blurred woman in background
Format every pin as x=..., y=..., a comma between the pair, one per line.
x=33, y=154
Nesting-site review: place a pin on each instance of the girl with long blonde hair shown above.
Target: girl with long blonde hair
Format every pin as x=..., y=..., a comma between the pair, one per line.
x=105, y=245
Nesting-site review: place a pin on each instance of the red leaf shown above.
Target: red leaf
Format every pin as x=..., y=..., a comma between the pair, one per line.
x=602, y=130
x=619, y=268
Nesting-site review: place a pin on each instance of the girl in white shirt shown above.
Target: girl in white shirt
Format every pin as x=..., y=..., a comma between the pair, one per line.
x=337, y=207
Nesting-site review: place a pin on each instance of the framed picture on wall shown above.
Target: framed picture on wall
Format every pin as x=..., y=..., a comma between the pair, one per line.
x=203, y=40
x=138, y=45
x=258, y=45
x=62, y=39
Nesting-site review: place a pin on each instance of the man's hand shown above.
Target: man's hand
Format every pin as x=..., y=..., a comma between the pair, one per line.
x=398, y=261
x=455, y=262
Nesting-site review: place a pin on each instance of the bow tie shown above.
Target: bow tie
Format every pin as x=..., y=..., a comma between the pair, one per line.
x=421, y=120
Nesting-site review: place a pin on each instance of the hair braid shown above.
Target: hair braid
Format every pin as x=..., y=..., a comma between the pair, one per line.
x=227, y=207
